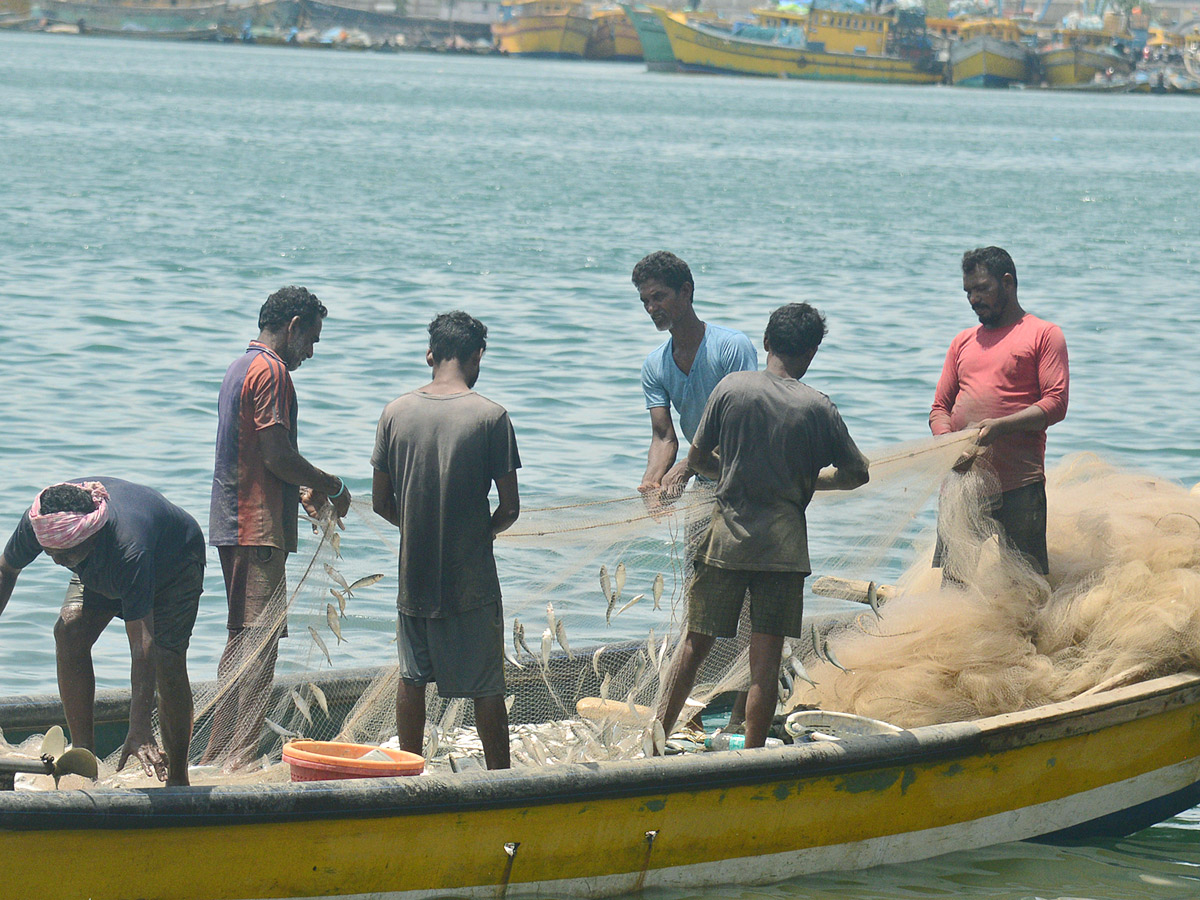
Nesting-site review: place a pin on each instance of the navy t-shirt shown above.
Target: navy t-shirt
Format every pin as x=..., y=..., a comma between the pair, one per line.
x=142, y=545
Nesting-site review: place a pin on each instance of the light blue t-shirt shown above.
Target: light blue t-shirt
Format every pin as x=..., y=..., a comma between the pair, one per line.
x=722, y=350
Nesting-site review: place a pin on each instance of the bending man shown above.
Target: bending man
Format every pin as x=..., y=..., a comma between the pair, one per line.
x=135, y=556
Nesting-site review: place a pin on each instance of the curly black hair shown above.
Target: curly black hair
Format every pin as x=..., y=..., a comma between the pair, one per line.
x=66, y=498
x=663, y=266
x=456, y=335
x=286, y=304
x=795, y=329
x=997, y=262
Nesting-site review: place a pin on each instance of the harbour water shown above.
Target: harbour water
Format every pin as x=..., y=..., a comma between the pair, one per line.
x=154, y=194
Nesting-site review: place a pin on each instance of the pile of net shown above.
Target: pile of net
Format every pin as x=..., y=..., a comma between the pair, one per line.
x=595, y=605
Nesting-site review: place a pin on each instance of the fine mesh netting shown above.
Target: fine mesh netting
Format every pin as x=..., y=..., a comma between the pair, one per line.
x=1121, y=603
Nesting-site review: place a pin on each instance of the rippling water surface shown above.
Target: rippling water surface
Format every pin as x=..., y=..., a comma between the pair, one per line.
x=154, y=194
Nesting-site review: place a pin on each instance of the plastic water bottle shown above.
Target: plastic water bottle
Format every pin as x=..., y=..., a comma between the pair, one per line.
x=722, y=741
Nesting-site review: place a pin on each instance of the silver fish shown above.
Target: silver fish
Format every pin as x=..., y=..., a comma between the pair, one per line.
x=508, y=702
x=320, y=643
x=550, y=618
x=302, y=705
x=660, y=737
x=331, y=617
x=873, y=599
x=612, y=602
x=547, y=643
x=799, y=671
x=365, y=581
x=605, y=587
x=280, y=730
x=341, y=599
x=596, y=660
x=828, y=652
x=816, y=642
x=336, y=543
x=431, y=746
x=620, y=579
x=650, y=648
x=604, y=685
x=336, y=576
x=519, y=638
x=533, y=749
x=319, y=696
x=658, y=589
x=630, y=603
x=512, y=660
x=560, y=634
x=648, y=742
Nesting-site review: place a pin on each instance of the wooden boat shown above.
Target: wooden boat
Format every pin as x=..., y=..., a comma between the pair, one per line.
x=881, y=51
x=1104, y=764
x=990, y=53
x=656, y=49
x=157, y=19
x=542, y=28
x=613, y=37
x=1077, y=57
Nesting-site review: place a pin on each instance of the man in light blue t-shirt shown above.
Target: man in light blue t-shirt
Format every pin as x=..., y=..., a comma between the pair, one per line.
x=683, y=371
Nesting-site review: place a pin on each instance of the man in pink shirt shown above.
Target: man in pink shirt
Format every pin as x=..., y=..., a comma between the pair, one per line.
x=1007, y=380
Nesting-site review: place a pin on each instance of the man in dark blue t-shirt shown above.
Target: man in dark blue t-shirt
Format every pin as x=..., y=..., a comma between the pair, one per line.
x=136, y=556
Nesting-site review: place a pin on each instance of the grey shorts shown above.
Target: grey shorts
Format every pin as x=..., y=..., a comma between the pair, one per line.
x=716, y=598
x=1021, y=515
x=175, y=605
x=462, y=654
x=255, y=587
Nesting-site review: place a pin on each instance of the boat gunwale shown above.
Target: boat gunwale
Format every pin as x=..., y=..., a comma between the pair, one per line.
x=523, y=788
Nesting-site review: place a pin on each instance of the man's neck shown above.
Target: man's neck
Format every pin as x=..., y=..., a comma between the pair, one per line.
x=275, y=341
x=1012, y=315
x=447, y=379
x=688, y=333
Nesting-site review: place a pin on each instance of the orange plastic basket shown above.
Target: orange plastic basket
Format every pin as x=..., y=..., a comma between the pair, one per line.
x=326, y=760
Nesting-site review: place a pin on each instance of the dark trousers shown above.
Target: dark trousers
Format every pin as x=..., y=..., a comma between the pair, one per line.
x=1021, y=515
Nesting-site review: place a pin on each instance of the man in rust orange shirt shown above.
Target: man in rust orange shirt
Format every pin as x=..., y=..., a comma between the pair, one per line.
x=256, y=493
x=1007, y=379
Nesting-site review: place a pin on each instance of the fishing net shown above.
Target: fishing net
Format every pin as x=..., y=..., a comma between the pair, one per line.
x=1121, y=603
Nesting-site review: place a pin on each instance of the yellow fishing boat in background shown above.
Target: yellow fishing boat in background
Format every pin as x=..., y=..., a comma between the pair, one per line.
x=545, y=28
x=1076, y=56
x=990, y=53
x=613, y=36
x=822, y=44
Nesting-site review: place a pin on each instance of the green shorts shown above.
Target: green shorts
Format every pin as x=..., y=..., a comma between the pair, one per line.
x=462, y=654
x=716, y=596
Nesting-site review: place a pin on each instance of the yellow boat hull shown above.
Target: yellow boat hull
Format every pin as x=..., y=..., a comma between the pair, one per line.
x=613, y=37
x=557, y=35
x=1106, y=764
x=700, y=50
x=1065, y=66
x=988, y=62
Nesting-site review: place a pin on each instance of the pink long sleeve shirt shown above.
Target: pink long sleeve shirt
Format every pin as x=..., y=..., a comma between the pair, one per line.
x=994, y=372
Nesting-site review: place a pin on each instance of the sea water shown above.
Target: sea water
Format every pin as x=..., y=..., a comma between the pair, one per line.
x=154, y=194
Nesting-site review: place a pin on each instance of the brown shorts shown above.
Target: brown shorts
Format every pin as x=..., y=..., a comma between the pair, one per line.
x=175, y=605
x=255, y=587
x=463, y=654
x=716, y=597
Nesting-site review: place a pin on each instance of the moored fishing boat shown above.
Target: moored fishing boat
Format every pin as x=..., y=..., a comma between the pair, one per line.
x=613, y=37
x=542, y=28
x=157, y=19
x=1105, y=763
x=888, y=49
x=656, y=49
x=990, y=53
x=1077, y=56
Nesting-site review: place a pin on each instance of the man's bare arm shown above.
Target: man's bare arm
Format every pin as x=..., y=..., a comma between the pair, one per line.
x=285, y=463
x=704, y=463
x=8, y=580
x=508, y=507
x=854, y=474
x=383, y=497
x=1031, y=418
x=664, y=448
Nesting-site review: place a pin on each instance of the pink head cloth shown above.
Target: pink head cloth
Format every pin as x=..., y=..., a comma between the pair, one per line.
x=64, y=530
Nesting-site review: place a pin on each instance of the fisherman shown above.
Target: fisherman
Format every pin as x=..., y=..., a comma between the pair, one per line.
x=259, y=481
x=775, y=435
x=683, y=371
x=136, y=556
x=1005, y=379
x=438, y=450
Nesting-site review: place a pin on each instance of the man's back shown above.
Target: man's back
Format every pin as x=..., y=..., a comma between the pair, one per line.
x=775, y=434
x=442, y=452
